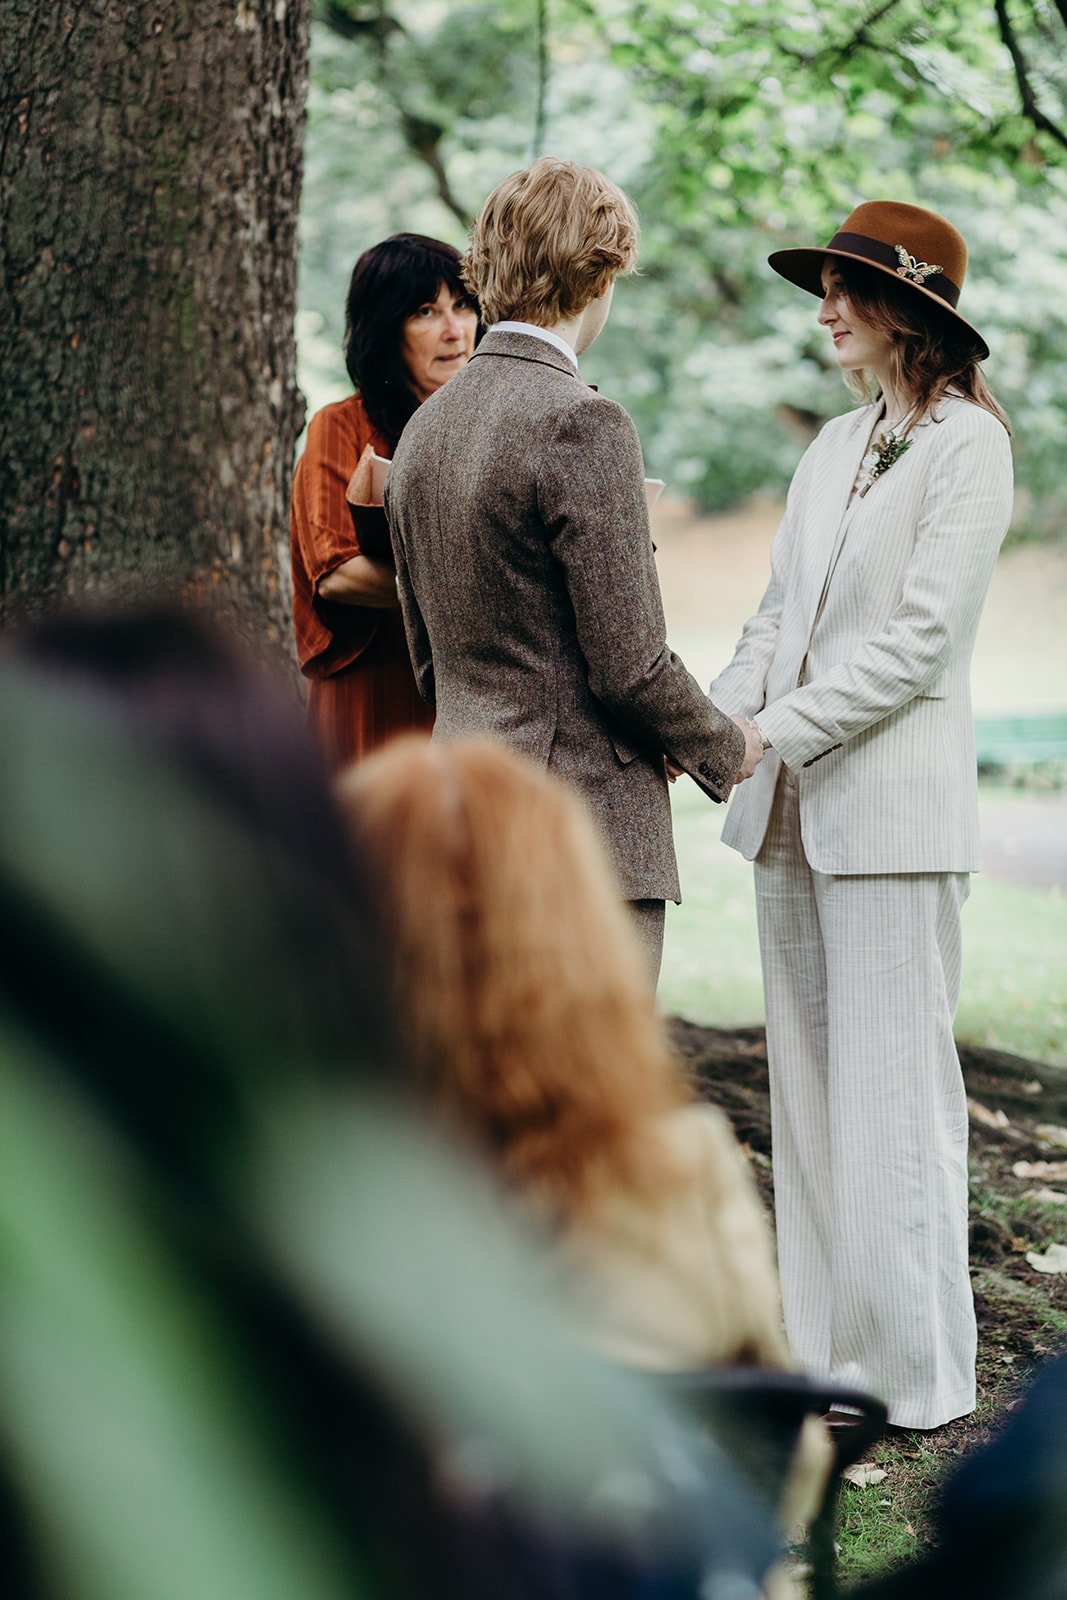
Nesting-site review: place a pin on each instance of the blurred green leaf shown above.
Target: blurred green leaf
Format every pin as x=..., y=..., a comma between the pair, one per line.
x=143, y=1460
x=192, y=1136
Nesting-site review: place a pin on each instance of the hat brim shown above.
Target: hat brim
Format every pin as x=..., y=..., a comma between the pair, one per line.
x=804, y=268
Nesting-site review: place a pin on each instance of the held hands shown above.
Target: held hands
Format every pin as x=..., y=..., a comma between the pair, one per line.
x=753, y=748
x=753, y=753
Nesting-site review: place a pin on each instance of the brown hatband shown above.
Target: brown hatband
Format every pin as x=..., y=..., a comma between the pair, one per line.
x=884, y=255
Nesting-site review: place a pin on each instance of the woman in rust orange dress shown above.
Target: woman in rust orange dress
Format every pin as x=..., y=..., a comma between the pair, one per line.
x=410, y=325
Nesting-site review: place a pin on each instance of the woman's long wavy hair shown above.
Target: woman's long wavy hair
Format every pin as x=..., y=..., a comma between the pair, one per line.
x=519, y=981
x=932, y=352
x=389, y=283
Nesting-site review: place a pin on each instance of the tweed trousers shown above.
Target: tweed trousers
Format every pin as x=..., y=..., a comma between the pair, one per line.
x=649, y=917
x=869, y=1123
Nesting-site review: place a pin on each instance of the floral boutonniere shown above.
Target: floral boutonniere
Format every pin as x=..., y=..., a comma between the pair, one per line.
x=889, y=448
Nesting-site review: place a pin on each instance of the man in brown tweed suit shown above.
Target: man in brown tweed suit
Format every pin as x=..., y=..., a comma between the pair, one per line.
x=523, y=554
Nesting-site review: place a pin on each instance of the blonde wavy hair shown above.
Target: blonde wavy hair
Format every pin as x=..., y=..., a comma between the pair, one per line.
x=549, y=241
x=520, y=986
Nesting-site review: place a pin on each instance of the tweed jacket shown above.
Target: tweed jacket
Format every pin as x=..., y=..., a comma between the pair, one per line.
x=858, y=660
x=530, y=597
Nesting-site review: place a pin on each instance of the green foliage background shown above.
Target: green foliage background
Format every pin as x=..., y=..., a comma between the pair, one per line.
x=738, y=126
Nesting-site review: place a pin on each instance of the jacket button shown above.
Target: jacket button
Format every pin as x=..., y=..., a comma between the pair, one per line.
x=703, y=769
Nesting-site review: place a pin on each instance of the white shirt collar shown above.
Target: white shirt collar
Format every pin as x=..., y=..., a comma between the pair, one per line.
x=536, y=333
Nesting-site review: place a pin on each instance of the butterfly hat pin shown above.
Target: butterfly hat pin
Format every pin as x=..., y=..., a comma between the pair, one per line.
x=912, y=269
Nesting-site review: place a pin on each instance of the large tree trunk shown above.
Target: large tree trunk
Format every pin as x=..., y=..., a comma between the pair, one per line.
x=150, y=164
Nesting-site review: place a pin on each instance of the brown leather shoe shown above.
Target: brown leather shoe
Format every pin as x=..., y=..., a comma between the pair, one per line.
x=840, y=1425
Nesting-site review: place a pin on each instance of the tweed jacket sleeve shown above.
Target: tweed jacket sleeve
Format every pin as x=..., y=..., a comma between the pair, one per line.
x=415, y=631
x=964, y=515
x=591, y=501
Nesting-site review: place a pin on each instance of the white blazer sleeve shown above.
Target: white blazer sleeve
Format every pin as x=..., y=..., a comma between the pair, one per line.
x=962, y=523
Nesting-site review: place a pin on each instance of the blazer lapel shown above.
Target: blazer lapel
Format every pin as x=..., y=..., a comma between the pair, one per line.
x=830, y=512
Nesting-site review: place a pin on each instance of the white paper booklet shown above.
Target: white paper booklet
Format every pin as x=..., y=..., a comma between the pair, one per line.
x=379, y=471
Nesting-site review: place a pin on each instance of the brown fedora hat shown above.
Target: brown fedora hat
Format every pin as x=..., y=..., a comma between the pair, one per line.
x=916, y=247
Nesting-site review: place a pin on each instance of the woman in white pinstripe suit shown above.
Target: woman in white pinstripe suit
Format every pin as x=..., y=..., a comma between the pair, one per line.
x=863, y=819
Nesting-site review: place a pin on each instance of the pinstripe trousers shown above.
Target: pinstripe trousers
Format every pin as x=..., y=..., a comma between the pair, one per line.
x=869, y=1124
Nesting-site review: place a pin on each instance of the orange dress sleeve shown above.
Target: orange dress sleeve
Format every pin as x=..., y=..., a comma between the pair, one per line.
x=329, y=635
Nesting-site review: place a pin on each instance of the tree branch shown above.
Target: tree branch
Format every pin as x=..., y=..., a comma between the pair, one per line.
x=542, y=79
x=377, y=27
x=861, y=39
x=423, y=139
x=1027, y=98
x=422, y=136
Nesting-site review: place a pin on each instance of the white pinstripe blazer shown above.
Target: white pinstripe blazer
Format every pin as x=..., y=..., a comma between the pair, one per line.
x=880, y=731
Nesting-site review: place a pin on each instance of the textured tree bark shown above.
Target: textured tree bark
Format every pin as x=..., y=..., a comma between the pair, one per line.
x=150, y=166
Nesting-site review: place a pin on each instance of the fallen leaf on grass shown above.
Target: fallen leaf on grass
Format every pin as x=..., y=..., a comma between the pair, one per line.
x=1040, y=1169
x=1053, y=1260
x=991, y=1119
x=1049, y=1133
x=909, y=1529
x=861, y=1473
x=1048, y=1197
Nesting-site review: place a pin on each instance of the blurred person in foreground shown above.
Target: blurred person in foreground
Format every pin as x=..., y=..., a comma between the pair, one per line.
x=521, y=537
x=521, y=991
x=173, y=691
x=863, y=819
x=519, y=986
x=226, y=1252
x=410, y=326
x=1000, y=1525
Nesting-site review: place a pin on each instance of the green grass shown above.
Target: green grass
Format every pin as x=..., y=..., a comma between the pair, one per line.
x=888, y=1524
x=1014, y=989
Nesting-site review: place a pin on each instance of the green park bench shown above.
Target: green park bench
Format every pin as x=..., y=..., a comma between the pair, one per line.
x=1021, y=741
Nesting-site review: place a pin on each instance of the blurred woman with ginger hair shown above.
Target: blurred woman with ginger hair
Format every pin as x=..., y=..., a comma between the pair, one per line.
x=525, y=998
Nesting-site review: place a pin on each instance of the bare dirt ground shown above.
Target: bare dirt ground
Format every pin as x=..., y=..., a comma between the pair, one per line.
x=730, y=1069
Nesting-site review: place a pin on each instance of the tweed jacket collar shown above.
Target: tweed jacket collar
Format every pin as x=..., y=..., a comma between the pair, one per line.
x=524, y=347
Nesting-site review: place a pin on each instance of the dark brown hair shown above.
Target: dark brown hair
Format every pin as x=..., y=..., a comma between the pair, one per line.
x=389, y=283
x=932, y=352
